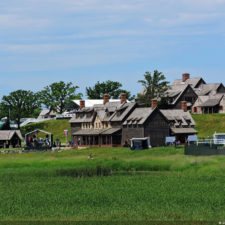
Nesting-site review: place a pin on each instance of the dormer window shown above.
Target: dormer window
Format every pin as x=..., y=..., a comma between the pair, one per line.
x=180, y=122
x=188, y=122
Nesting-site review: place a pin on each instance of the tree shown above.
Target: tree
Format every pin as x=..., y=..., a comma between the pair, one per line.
x=58, y=95
x=112, y=88
x=155, y=86
x=19, y=104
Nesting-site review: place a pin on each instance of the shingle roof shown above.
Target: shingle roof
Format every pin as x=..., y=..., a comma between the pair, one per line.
x=206, y=89
x=111, y=131
x=86, y=115
x=111, y=111
x=177, y=91
x=178, y=114
x=188, y=130
x=209, y=100
x=138, y=116
x=6, y=135
x=106, y=131
x=121, y=112
x=192, y=81
x=46, y=112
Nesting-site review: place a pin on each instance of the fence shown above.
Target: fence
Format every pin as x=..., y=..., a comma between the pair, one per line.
x=205, y=147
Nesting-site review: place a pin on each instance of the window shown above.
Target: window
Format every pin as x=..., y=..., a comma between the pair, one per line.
x=195, y=109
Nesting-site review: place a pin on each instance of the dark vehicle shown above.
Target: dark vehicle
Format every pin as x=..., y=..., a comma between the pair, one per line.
x=140, y=143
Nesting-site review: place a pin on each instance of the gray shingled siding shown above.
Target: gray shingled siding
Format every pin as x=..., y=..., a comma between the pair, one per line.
x=157, y=128
x=74, y=128
x=131, y=132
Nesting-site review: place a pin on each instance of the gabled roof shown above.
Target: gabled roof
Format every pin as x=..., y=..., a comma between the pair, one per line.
x=191, y=81
x=208, y=89
x=209, y=100
x=188, y=130
x=111, y=111
x=6, y=135
x=139, y=116
x=122, y=111
x=46, y=112
x=105, y=131
x=178, y=115
x=176, y=91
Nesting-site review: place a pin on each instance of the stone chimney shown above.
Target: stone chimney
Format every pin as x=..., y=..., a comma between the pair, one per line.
x=123, y=98
x=105, y=98
x=184, y=106
x=185, y=76
x=82, y=104
x=154, y=103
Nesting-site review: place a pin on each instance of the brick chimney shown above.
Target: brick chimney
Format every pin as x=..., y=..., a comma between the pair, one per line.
x=105, y=98
x=82, y=104
x=184, y=106
x=154, y=103
x=123, y=98
x=185, y=76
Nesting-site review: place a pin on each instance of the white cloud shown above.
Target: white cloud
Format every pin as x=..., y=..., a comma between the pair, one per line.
x=191, y=19
x=11, y=21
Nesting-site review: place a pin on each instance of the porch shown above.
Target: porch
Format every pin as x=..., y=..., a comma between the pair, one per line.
x=100, y=138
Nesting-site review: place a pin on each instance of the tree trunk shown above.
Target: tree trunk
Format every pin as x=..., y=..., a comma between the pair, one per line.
x=18, y=123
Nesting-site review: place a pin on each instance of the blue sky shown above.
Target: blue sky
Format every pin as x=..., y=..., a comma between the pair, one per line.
x=43, y=41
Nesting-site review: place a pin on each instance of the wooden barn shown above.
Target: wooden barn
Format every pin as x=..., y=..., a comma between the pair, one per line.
x=10, y=138
x=159, y=124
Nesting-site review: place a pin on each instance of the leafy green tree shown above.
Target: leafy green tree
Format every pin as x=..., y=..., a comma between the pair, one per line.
x=57, y=95
x=112, y=88
x=154, y=86
x=19, y=104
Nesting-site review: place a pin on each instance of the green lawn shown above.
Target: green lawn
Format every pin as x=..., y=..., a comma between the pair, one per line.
x=118, y=184
x=56, y=127
x=207, y=124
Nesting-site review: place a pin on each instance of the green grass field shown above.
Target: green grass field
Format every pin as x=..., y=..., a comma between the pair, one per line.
x=207, y=124
x=160, y=184
x=118, y=184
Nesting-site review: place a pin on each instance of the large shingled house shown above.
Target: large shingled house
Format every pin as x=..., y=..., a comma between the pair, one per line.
x=200, y=96
x=210, y=97
x=100, y=124
x=113, y=124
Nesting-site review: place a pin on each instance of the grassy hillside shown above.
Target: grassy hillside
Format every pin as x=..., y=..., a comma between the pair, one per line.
x=207, y=124
x=56, y=127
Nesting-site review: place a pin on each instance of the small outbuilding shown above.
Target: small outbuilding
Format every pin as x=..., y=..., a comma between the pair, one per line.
x=10, y=138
